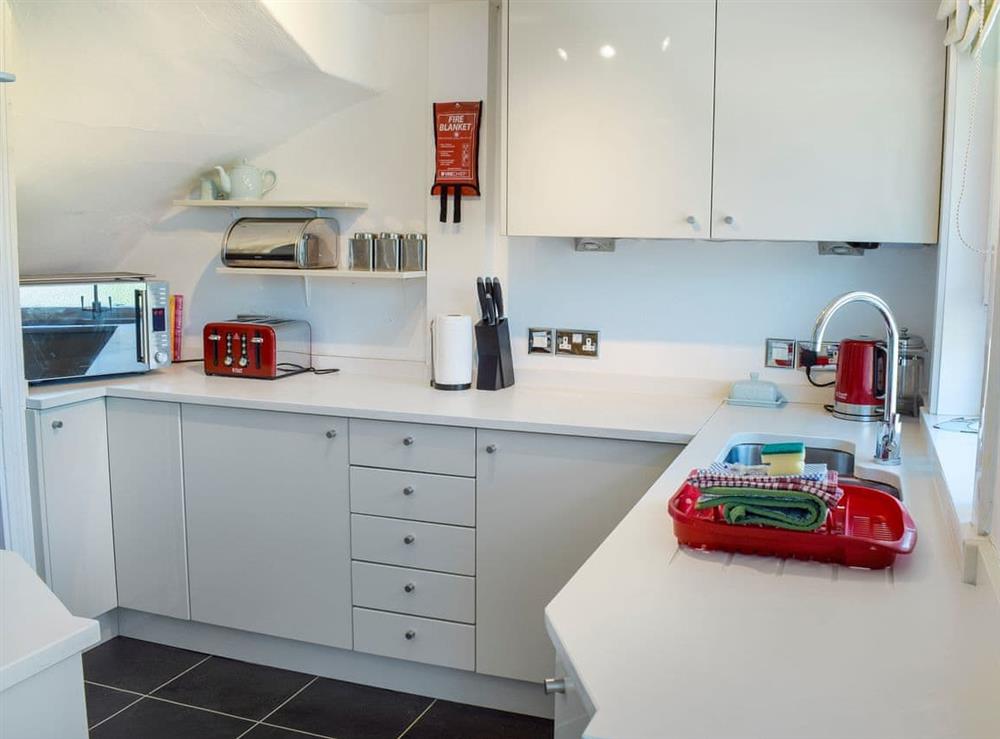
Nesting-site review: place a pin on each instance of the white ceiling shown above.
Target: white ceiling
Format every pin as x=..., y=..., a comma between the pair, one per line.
x=120, y=105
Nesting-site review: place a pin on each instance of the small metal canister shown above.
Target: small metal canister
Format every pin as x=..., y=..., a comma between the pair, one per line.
x=362, y=254
x=413, y=253
x=387, y=252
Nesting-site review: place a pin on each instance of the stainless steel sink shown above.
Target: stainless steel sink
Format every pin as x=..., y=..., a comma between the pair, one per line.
x=835, y=459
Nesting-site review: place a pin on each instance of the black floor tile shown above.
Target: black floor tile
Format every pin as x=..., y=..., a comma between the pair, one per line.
x=263, y=731
x=457, y=721
x=102, y=702
x=240, y=688
x=153, y=719
x=136, y=665
x=349, y=711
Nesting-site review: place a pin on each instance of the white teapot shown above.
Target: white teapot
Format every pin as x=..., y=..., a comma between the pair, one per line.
x=245, y=181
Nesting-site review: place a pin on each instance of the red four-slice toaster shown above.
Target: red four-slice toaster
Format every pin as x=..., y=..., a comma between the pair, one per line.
x=261, y=347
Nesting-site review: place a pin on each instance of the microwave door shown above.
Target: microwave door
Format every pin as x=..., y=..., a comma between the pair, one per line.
x=82, y=329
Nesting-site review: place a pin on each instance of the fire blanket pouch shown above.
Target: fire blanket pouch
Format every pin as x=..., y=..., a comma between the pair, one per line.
x=456, y=158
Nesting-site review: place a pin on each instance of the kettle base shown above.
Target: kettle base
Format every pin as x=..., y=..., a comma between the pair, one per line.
x=854, y=412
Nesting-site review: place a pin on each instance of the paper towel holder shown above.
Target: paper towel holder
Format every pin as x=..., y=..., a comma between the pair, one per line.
x=455, y=362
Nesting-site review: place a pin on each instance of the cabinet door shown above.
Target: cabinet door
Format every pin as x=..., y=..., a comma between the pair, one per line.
x=609, y=118
x=268, y=522
x=147, y=499
x=544, y=505
x=828, y=120
x=75, y=499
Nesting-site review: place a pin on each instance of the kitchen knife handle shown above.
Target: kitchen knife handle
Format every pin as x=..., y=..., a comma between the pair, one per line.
x=491, y=311
x=481, y=291
x=497, y=294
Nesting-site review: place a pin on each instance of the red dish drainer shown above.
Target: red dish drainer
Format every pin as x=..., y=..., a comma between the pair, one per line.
x=868, y=528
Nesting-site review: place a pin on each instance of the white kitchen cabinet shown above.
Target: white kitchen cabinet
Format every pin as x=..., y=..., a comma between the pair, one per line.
x=545, y=503
x=828, y=120
x=268, y=522
x=73, y=493
x=147, y=500
x=791, y=120
x=609, y=118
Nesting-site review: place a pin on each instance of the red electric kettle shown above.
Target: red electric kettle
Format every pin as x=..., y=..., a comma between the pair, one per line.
x=859, y=394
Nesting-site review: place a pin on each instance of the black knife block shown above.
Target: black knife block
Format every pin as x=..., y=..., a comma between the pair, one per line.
x=496, y=365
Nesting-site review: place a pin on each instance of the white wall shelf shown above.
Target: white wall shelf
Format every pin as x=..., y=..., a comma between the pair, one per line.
x=307, y=274
x=345, y=274
x=287, y=204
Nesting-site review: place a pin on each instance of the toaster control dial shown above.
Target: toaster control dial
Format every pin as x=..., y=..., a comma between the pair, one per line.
x=160, y=357
x=228, y=360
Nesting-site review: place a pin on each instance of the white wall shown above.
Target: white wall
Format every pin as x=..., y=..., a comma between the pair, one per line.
x=703, y=309
x=374, y=151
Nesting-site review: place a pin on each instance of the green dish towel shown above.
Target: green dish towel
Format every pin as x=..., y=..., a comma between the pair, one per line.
x=782, y=509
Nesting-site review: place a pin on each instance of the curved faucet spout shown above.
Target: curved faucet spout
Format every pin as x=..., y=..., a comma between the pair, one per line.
x=888, y=446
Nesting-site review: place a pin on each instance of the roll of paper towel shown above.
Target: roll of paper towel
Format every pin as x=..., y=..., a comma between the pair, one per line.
x=451, y=352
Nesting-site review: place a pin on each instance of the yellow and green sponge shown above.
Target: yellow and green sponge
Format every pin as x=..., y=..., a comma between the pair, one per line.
x=788, y=458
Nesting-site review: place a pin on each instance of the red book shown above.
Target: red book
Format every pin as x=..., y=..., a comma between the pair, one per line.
x=176, y=325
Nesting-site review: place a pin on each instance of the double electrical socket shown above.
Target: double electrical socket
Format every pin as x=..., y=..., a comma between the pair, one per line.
x=566, y=342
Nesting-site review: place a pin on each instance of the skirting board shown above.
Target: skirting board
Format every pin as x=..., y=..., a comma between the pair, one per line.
x=339, y=664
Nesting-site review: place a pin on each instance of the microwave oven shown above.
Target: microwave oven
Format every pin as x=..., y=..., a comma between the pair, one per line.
x=88, y=325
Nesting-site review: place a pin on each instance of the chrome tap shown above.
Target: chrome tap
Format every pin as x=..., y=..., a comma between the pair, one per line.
x=888, y=445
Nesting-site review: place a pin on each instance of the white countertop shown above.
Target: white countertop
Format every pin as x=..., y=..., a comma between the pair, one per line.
x=619, y=415
x=671, y=642
x=36, y=630
x=668, y=642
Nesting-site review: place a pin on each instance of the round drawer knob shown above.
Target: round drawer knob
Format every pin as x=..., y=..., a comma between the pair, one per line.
x=408, y=441
x=411, y=634
x=728, y=220
x=408, y=490
x=692, y=220
x=491, y=448
x=409, y=539
x=554, y=685
x=57, y=424
x=409, y=587
x=331, y=433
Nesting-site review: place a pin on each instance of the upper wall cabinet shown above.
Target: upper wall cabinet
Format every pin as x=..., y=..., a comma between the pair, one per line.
x=827, y=119
x=609, y=118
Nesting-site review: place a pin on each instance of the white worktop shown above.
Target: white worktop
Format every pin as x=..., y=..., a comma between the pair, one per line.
x=36, y=630
x=619, y=415
x=670, y=642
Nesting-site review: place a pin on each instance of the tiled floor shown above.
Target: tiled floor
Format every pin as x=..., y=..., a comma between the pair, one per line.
x=141, y=690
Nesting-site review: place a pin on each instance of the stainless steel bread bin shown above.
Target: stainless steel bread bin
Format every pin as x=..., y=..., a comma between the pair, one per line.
x=288, y=243
x=387, y=252
x=413, y=253
x=361, y=256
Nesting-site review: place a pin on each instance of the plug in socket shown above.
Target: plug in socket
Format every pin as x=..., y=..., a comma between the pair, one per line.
x=577, y=343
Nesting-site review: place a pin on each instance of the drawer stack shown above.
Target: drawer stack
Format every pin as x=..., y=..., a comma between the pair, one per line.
x=413, y=541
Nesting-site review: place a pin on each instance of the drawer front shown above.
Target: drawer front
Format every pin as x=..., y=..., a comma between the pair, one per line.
x=426, y=546
x=416, y=592
x=414, y=446
x=415, y=638
x=414, y=495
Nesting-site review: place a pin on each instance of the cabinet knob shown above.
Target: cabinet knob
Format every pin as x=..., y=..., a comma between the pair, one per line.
x=411, y=634
x=554, y=685
x=409, y=587
x=57, y=424
x=331, y=433
x=408, y=490
x=692, y=220
x=491, y=448
x=408, y=441
x=409, y=539
x=728, y=220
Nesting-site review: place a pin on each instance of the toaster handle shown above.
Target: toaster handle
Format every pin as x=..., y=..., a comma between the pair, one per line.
x=140, y=323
